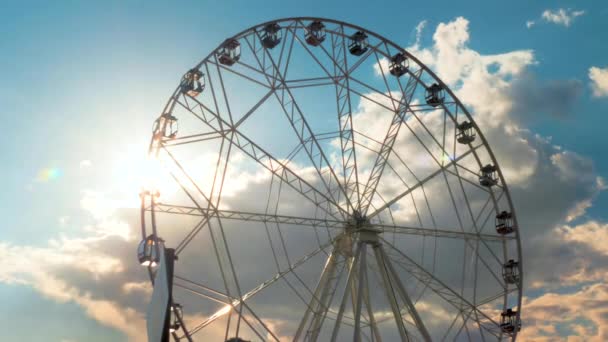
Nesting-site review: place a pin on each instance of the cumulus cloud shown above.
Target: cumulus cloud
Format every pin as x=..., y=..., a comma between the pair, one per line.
x=550, y=186
x=570, y=275
x=533, y=97
x=63, y=220
x=530, y=23
x=580, y=315
x=85, y=164
x=419, y=29
x=599, y=81
x=144, y=287
x=504, y=96
x=82, y=270
x=561, y=16
x=40, y=268
x=381, y=67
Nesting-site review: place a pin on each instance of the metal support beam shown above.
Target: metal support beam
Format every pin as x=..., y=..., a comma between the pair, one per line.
x=403, y=293
x=387, y=146
x=362, y=285
x=442, y=290
x=318, y=301
x=351, y=271
x=390, y=294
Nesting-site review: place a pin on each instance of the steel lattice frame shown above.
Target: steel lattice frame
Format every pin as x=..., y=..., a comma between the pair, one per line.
x=354, y=222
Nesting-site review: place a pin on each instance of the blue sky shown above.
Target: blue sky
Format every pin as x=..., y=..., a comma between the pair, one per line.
x=82, y=82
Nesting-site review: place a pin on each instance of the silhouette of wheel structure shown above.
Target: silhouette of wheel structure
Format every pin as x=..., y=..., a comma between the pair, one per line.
x=325, y=185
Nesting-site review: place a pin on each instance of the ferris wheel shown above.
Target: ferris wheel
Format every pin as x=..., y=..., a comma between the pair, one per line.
x=325, y=185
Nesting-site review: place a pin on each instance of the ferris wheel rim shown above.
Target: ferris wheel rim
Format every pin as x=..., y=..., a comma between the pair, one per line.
x=461, y=107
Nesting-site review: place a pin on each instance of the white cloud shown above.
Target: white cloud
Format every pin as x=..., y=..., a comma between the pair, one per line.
x=574, y=303
x=599, y=81
x=455, y=62
x=381, y=67
x=85, y=164
x=484, y=82
x=55, y=269
x=73, y=253
x=502, y=94
x=38, y=267
x=144, y=287
x=578, y=210
x=575, y=316
x=419, y=28
x=593, y=234
x=63, y=220
x=569, y=164
x=561, y=16
x=530, y=23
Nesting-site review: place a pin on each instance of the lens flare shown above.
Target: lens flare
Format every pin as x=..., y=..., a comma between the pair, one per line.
x=49, y=174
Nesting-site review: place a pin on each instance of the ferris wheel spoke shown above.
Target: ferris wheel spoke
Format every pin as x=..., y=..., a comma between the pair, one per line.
x=484, y=242
x=341, y=76
x=280, y=275
x=199, y=226
x=340, y=33
x=387, y=162
x=362, y=211
x=240, y=74
x=188, y=178
x=462, y=178
x=288, y=58
x=262, y=326
x=227, y=309
x=321, y=298
x=463, y=326
x=314, y=298
x=392, y=274
x=351, y=265
x=490, y=299
x=199, y=293
x=420, y=183
x=288, y=176
x=254, y=108
x=307, y=82
x=469, y=243
x=441, y=289
x=372, y=323
x=390, y=295
x=447, y=332
x=224, y=259
x=386, y=148
x=247, y=216
x=372, y=205
x=268, y=161
x=442, y=233
x=261, y=73
x=287, y=270
x=388, y=88
x=202, y=290
x=345, y=118
x=302, y=129
x=216, y=190
x=193, y=138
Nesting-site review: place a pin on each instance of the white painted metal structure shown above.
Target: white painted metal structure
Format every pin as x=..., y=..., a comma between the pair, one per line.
x=405, y=243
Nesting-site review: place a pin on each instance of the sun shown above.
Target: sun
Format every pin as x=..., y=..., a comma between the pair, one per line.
x=135, y=171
